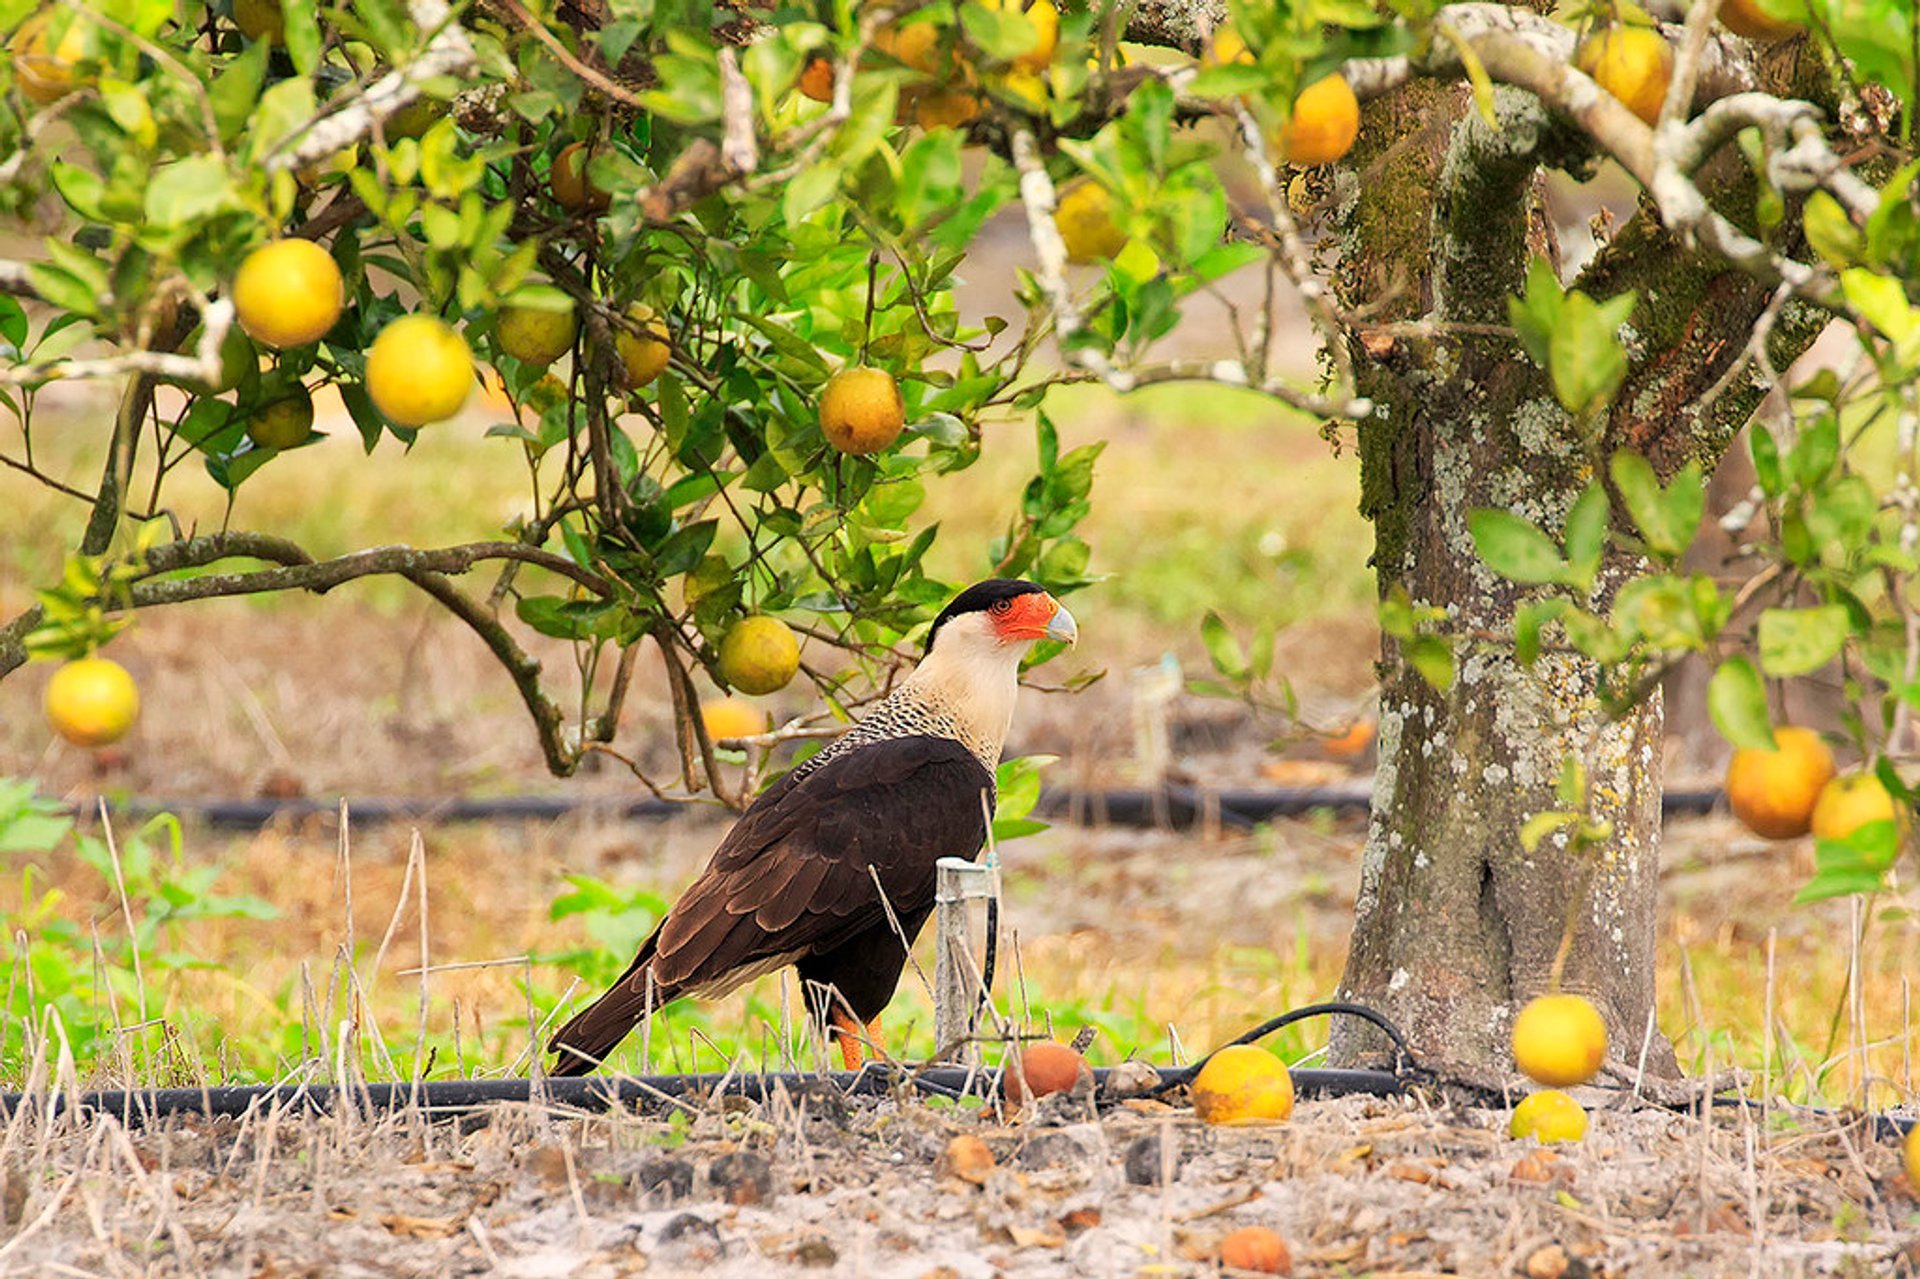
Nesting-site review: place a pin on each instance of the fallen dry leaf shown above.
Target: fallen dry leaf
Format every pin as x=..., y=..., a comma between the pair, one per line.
x=400, y=1223
x=1080, y=1219
x=1043, y=1237
x=967, y=1158
x=1541, y=1167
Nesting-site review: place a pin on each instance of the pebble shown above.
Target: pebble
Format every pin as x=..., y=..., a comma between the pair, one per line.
x=1145, y=1164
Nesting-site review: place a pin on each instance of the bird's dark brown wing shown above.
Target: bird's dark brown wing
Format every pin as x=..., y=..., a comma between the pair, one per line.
x=796, y=876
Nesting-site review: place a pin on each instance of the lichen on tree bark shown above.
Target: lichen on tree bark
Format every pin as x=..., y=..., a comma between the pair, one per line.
x=1456, y=924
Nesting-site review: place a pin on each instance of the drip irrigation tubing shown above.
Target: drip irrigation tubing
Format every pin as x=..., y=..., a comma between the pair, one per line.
x=450, y=1098
x=1240, y=808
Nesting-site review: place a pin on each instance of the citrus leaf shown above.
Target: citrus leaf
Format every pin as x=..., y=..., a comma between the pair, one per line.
x=1798, y=641
x=1515, y=548
x=1737, y=703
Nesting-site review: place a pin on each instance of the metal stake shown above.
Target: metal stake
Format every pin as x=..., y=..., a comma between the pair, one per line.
x=956, y=980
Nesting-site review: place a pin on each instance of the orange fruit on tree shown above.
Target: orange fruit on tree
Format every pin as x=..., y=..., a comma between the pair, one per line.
x=816, y=78
x=1912, y=1153
x=1044, y=20
x=42, y=66
x=1747, y=18
x=1258, y=1249
x=1352, y=742
x=419, y=370
x=1323, y=124
x=916, y=44
x=759, y=655
x=536, y=335
x=1548, y=1115
x=1043, y=1068
x=1084, y=216
x=861, y=411
x=643, y=354
x=92, y=701
x=1851, y=801
x=568, y=183
x=1227, y=48
x=288, y=293
x=282, y=422
x=1559, y=1040
x=729, y=717
x=1634, y=64
x=1242, y=1084
x=1773, y=792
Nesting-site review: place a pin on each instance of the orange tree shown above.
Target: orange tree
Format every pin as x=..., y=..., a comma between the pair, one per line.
x=667, y=227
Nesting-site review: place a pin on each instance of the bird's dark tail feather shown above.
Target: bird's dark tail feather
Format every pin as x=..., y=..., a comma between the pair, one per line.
x=596, y=1030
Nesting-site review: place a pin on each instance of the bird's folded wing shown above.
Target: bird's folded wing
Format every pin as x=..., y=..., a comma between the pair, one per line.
x=797, y=872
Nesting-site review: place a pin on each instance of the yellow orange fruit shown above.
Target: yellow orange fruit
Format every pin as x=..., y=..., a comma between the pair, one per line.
x=861, y=411
x=1548, y=1116
x=643, y=354
x=1773, y=792
x=1353, y=742
x=917, y=45
x=1258, y=1249
x=1084, y=216
x=92, y=701
x=1243, y=1084
x=571, y=188
x=1044, y=19
x=1849, y=802
x=1041, y=1069
x=1747, y=18
x=419, y=370
x=816, y=78
x=1323, y=124
x=536, y=335
x=43, y=67
x=729, y=717
x=260, y=20
x=1560, y=1040
x=1912, y=1153
x=288, y=293
x=285, y=421
x=759, y=655
x=1227, y=48
x=1634, y=64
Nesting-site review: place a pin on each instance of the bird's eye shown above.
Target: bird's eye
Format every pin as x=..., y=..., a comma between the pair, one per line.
x=1000, y=606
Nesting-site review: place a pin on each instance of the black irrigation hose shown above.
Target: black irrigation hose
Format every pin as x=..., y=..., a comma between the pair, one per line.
x=1175, y=805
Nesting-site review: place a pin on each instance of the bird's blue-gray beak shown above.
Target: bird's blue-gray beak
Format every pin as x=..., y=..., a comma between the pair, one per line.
x=1062, y=627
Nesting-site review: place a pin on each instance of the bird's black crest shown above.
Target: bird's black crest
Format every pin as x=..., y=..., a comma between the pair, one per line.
x=978, y=597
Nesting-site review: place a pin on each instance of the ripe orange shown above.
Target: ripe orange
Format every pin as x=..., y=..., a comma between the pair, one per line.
x=861, y=411
x=1258, y=1249
x=729, y=717
x=419, y=370
x=1634, y=64
x=1243, y=1084
x=569, y=185
x=1042, y=1069
x=1228, y=48
x=1912, y=1152
x=816, y=78
x=917, y=45
x=1548, y=1116
x=1847, y=803
x=1560, y=1040
x=260, y=20
x=945, y=109
x=92, y=701
x=1045, y=21
x=759, y=655
x=643, y=355
x=1352, y=743
x=45, y=75
x=535, y=335
x=1084, y=216
x=1773, y=793
x=288, y=293
x=283, y=423
x=1747, y=18
x=1323, y=124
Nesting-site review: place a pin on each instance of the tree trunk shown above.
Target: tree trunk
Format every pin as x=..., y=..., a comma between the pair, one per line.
x=1456, y=925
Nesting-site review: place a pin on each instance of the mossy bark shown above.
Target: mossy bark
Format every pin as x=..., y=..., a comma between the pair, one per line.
x=1456, y=924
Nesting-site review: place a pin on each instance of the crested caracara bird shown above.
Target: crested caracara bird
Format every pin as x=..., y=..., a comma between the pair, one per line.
x=801, y=876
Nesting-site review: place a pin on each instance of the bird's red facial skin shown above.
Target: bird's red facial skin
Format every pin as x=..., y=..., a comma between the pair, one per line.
x=1024, y=617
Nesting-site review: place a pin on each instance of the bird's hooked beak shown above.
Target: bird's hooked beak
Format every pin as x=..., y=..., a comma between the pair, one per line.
x=1061, y=625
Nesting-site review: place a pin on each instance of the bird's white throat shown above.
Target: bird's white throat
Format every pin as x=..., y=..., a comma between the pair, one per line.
x=970, y=679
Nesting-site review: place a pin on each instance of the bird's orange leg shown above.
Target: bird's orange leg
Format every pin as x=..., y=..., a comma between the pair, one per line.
x=852, y=1034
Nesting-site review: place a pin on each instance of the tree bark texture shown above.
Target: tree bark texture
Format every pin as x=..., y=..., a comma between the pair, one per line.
x=1456, y=925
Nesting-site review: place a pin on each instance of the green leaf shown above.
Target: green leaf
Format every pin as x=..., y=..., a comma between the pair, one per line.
x=1223, y=647
x=1799, y=641
x=1586, y=535
x=1646, y=503
x=1737, y=703
x=235, y=90
x=1432, y=656
x=1529, y=620
x=1766, y=460
x=1535, y=314
x=1515, y=548
x=1587, y=360
x=1541, y=825
x=188, y=191
x=1830, y=232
